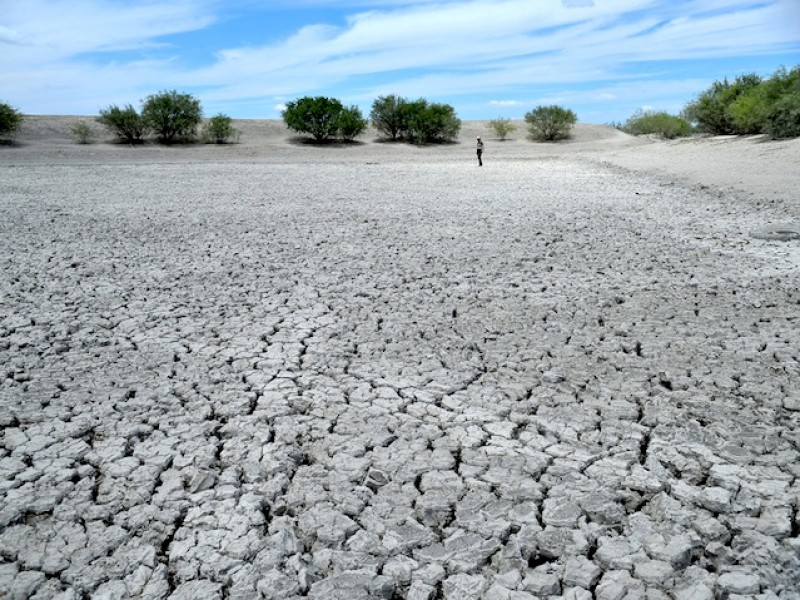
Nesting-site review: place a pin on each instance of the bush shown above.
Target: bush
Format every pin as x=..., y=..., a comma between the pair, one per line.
x=427, y=123
x=416, y=121
x=658, y=123
x=324, y=118
x=82, y=133
x=10, y=120
x=749, y=105
x=172, y=116
x=548, y=123
x=502, y=127
x=768, y=108
x=125, y=123
x=318, y=116
x=711, y=110
x=748, y=113
x=351, y=123
x=783, y=118
x=219, y=129
x=389, y=116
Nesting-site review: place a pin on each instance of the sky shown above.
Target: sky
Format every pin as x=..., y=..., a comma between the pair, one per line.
x=604, y=59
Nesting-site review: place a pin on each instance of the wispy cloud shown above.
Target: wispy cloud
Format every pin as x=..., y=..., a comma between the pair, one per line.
x=93, y=49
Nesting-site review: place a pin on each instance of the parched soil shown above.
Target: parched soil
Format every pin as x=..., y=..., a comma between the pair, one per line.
x=278, y=370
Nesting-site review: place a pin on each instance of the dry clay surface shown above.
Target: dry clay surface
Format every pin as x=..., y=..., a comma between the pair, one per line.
x=280, y=371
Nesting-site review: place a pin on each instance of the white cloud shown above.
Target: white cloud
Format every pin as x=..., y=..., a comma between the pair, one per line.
x=9, y=36
x=415, y=47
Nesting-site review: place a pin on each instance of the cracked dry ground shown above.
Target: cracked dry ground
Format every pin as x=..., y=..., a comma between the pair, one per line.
x=544, y=379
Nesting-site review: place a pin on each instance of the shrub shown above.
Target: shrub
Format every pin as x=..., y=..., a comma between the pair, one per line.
x=82, y=133
x=125, y=123
x=765, y=108
x=388, y=116
x=172, y=115
x=433, y=122
x=711, y=109
x=318, y=116
x=324, y=118
x=10, y=120
x=416, y=121
x=548, y=123
x=748, y=113
x=351, y=123
x=658, y=123
x=783, y=118
x=749, y=105
x=219, y=129
x=502, y=127
x=411, y=119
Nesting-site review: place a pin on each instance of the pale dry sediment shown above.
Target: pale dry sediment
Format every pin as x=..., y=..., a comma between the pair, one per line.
x=542, y=378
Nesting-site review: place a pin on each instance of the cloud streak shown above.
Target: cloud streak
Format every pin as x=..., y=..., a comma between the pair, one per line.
x=411, y=47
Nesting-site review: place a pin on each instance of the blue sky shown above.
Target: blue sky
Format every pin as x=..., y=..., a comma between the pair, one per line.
x=604, y=59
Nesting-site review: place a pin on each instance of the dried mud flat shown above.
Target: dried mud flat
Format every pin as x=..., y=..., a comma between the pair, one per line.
x=274, y=370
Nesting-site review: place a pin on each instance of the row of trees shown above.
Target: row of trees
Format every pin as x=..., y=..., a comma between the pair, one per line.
x=416, y=121
x=171, y=116
x=750, y=105
x=747, y=105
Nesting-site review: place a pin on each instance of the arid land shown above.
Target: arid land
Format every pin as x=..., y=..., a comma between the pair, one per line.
x=282, y=370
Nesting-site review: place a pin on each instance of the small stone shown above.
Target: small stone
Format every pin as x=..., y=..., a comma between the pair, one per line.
x=792, y=403
x=715, y=499
x=582, y=572
x=202, y=481
x=420, y=591
x=464, y=587
x=111, y=590
x=542, y=584
x=678, y=551
x=431, y=574
x=696, y=591
x=497, y=592
x=25, y=584
x=654, y=571
x=192, y=590
x=560, y=512
x=739, y=582
x=557, y=542
x=400, y=569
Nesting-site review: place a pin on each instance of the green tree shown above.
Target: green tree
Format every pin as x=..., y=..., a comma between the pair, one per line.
x=10, y=121
x=318, y=116
x=172, y=115
x=548, y=123
x=219, y=129
x=125, y=123
x=711, y=109
x=431, y=123
x=388, y=116
x=502, y=127
x=783, y=118
x=751, y=110
x=351, y=123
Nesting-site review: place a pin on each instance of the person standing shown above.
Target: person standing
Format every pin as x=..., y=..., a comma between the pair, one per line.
x=480, y=151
